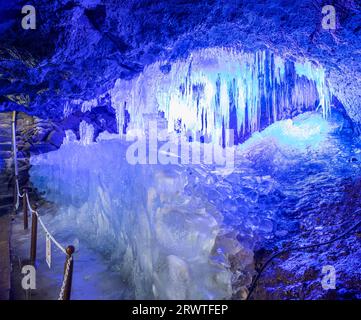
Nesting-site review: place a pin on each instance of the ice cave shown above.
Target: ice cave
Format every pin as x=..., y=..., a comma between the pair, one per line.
x=180, y=150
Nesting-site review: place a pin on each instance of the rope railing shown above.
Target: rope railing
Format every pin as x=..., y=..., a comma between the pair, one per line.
x=65, y=290
x=47, y=232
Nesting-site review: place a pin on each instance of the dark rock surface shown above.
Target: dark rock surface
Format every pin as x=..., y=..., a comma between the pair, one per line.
x=6, y=171
x=297, y=274
x=81, y=47
x=33, y=135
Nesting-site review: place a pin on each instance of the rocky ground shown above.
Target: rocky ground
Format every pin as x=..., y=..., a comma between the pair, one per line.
x=297, y=274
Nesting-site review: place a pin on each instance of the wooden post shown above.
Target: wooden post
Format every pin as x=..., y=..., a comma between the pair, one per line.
x=69, y=278
x=15, y=193
x=15, y=156
x=25, y=208
x=34, y=235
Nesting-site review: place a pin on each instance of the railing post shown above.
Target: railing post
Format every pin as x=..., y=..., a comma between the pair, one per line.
x=68, y=272
x=15, y=156
x=25, y=208
x=15, y=159
x=15, y=193
x=34, y=235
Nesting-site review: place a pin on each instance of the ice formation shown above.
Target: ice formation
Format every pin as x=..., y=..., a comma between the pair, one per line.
x=185, y=231
x=216, y=89
x=174, y=229
x=161, y=239
x=86, y=132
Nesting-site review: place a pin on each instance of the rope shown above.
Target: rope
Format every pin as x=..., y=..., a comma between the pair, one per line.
x=61, y=248
x=18, y=194
x=18, y=190
x=346, y=233
x=17, y=201
x=29, y=205
x=47, y=232
x=65, y=279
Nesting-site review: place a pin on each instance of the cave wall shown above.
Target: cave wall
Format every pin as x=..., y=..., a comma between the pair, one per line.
x=80, y=48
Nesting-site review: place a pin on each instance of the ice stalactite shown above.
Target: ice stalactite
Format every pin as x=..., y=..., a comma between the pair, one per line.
x=216, y=89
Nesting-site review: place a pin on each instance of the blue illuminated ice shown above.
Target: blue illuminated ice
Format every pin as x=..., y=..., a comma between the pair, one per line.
x=305, y=131
x=174, y=229
x=219, y=88
x=160, y=238
x=177, y=231
x=86, y=132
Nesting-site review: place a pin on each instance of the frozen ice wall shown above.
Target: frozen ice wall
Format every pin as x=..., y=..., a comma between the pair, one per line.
x=216, y=89
x=166, y=242
x=187, y=231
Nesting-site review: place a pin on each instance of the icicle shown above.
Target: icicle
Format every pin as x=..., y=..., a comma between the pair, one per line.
x=197, y=94
x=317, y=75
x=88, y=105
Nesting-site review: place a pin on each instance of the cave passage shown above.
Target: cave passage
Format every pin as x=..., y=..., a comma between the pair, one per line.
x=186, y=149
x=215, y=162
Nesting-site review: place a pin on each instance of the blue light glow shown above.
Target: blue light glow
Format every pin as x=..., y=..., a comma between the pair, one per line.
x=216, y=89
x=307, y=130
